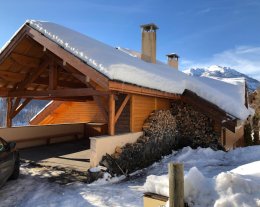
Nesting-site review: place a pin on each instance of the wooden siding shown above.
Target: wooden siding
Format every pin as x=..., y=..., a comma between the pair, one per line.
x=142, y=107
x=74, y=112
x=123, y=122
x=162, y=103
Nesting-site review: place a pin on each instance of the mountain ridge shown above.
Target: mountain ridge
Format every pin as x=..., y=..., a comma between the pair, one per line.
x=216, y=71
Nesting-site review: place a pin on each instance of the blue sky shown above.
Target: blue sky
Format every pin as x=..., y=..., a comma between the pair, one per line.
x=202, y=32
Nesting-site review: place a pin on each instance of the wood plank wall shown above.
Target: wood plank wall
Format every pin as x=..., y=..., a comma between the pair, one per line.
x=74, y=112
x=142, y=107
x=123, y=122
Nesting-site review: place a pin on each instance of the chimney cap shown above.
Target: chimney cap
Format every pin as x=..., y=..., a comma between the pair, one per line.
x=173, y=55
x=149, y=27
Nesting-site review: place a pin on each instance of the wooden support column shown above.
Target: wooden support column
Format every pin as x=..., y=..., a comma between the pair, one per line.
x=53, y=77
x=8, y=112
x=111, y=121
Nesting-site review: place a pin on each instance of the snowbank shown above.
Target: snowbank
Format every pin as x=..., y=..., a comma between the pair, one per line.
x=119, y=65
x=232, y=179
x=237, y=187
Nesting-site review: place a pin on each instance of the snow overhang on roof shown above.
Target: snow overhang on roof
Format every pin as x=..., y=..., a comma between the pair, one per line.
x=119, y=66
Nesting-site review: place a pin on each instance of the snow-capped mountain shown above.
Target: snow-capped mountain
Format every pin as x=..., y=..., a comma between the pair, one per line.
x=215, y=71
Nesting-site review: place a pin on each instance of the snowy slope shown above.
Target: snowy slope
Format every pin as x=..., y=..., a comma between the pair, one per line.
x=212, y=177
x=215, y=71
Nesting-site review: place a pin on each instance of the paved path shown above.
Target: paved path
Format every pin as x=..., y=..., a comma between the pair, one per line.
x=74, y=155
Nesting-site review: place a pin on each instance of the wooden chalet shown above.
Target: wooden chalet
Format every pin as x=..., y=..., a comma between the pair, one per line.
x=33, y=66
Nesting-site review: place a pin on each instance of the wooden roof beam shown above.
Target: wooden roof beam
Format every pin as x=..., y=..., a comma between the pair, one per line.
x=20, y=107
x=134, y=89
x=13, y=43
x=4, y=92
x=25, y=60
x=31, y=78
x=61, y=83
x=11, y=76
x=82, y=78
x=69, y=58
x=16, y=103
x=78, y=92
x=66, y=99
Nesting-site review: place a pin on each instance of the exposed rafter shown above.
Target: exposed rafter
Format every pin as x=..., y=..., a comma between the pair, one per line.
x=20, y=107
x=75, y=73
x=133, y=89
x=68, y=58
x=32, y=77
x=70, y=99
x=24, y=60
x=77, y=92
x=11, y=76
x=16, y=103
x=13, y=44
x=4, y=92
x=61, y=83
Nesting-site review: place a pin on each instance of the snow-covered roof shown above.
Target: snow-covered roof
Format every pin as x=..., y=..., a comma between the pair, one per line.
x=120, y=66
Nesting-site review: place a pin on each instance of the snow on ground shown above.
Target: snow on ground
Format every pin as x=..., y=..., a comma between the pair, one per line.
x=211, y=182
x=226, y=179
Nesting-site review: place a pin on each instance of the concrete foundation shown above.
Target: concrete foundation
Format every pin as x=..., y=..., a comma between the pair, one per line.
x=101, y=145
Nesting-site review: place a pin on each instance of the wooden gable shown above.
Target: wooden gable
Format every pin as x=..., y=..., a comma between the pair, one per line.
x=59, y=112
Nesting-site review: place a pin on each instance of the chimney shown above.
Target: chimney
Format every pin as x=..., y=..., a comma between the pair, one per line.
x=173, y=60
x=149, y=42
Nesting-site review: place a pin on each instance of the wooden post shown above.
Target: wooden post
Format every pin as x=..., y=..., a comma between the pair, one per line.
x=53, y=77
x=111, y=111
x=176, y=185
x=8, y=112
x=171, y=184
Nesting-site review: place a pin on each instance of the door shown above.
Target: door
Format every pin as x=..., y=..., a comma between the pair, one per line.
x=6, y=162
